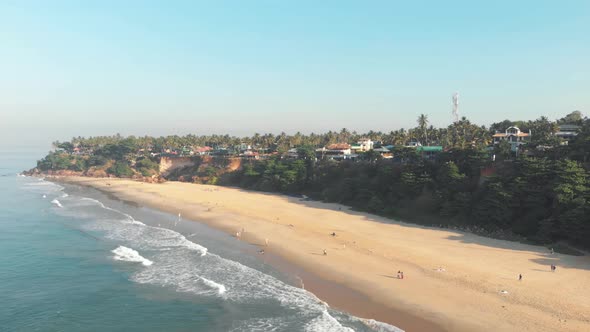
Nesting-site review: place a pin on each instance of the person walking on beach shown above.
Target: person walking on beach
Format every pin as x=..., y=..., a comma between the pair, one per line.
x=553, y=267
x=520, y=277
x=402, y=274
x=325, y=252
x=399, y=274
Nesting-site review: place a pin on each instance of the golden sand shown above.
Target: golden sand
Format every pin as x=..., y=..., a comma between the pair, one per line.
x=459, y=281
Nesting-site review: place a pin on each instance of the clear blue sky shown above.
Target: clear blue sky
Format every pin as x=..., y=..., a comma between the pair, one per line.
x=141, y=67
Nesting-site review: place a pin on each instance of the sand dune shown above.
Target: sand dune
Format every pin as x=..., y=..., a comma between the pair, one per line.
x=459, y=281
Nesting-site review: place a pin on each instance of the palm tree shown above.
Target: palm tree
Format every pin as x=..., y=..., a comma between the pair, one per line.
x=344, y=135
x=423, y=123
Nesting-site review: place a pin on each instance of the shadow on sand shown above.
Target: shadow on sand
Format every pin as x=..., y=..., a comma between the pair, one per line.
x=545, y=258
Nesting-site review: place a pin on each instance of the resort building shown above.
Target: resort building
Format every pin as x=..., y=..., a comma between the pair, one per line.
x=429, y=152
x=514, y=136
x=384, y=152
x=202, y=150
x=335, y=151
x=363, y=145
x=567, y=132
x=249, y=154
x=292, y=153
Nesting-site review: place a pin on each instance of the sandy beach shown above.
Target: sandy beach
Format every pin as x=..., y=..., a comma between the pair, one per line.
x=453, y=281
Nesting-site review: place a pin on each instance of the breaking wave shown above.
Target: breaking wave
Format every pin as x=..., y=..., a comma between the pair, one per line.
x=129, y=255
x=380, y=326
x=57, y=203
x=220, y=288
x=129, y=217
x=326, y=323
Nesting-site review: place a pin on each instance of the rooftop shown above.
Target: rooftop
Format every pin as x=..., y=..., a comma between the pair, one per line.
x=436, y=148
x=338, y=146
x=504, y=134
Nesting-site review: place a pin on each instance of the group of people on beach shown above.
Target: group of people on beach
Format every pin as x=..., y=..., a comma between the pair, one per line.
x=553, y=266
x=400, y=274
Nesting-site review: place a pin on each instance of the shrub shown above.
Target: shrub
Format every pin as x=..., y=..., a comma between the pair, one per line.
x=120, y=169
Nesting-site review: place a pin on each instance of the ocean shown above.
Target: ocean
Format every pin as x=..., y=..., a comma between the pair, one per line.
x=75, y=259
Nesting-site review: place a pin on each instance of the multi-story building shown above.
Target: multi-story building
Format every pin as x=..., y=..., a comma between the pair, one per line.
x=567, y=132
x=514, y=136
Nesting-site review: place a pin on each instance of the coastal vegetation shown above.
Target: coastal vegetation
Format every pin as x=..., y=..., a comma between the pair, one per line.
x=538, y=192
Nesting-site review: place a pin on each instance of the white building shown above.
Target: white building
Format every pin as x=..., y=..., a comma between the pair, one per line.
x=514, y=136
x=567, y=132
x=363, y=145
x=335, y=151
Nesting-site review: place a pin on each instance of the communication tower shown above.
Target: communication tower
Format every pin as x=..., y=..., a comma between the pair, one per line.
x=455, y=106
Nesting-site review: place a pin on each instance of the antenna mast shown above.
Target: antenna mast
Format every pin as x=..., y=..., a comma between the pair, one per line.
x=455, y=106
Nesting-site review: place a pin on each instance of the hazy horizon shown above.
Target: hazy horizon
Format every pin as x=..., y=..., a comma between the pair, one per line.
x=142, y=68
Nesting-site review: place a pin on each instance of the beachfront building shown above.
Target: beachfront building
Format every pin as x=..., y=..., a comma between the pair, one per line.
x=337, y=151
x=242, y=147
x=514, y=136
x=292, y=153
x=567, y=132
x=362, y=145
x=384, y=152
x=413, y=143
x=202, y=150
x=249, y=154
x=429, y=152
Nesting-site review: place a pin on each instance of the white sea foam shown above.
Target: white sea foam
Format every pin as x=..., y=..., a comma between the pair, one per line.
x=149, y=236
x=220, y=288
x=380, y=326
x=129, y=218
x=129, y=255
x=274, y=324
x=245, y=286
x=57, y=203
x=41, y=186
x=193, y=246
x=64, y=195
x=326, y=323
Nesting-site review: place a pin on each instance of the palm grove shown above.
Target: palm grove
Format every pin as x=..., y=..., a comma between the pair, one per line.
x=540, y=195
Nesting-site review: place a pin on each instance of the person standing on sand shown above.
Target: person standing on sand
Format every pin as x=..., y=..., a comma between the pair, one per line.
x=520, y=277
x=402, y=274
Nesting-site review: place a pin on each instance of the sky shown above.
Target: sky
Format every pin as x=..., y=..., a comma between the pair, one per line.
x=82, y=68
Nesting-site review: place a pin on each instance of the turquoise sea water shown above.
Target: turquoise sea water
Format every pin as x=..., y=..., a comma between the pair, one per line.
x=74, y=259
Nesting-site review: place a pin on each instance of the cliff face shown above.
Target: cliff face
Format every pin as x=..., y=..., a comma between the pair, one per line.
x=199, y=169
x=168, y=164
x=234, y=164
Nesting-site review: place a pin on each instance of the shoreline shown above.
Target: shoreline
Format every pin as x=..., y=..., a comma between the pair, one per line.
x=358, y=275
x=334, y=294
x=350, y=301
